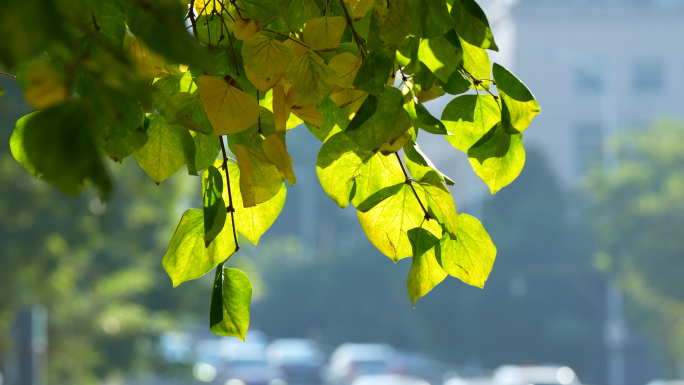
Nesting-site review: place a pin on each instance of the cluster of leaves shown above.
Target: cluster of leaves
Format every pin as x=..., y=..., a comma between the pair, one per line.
x=356, y=73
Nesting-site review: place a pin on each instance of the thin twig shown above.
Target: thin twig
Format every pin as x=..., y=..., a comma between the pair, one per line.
x=479, y=83
x=191, y=13
x=287, y=36
x=8, y=75
x=357, y=39
x=230, y=208
x=409, y=182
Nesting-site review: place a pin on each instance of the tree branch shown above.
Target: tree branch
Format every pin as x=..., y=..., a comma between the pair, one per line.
x=8, y=75
x=230, y=207
x=409, y=182
x=191, y=14
x=350, y=22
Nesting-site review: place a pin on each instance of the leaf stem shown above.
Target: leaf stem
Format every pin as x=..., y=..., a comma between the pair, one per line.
x=409, y=182
x=191, y=14
x=287, y=36
x=8, y=75
x=478, y=83
x=230, y=207
x=350, y=23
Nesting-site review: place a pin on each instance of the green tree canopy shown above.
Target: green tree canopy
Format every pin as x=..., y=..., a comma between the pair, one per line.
x=115, y=78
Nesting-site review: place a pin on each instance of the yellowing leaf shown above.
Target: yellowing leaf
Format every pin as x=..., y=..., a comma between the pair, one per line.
x=260, y=179
x=281, y=111
x=297, y=46
x=229, y=109
x=310, y=115
x=260, y=84
x=243, y=29
x=324, y=33
x=359, y=8
x=149, y=63
x=46, y=88
x=266, y=56
x=276, y=150
x=347, y=96
x=311, y=78
x=346, y=65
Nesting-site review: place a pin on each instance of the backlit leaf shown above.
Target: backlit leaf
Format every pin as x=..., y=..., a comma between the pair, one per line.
x=425, y=271
x=375, y=70
x=229, y=109
x=497, y=158
x=214, y=206
x=17, y=145
x=468, y=118
x=185, y=110
x=276, y=150
x=519, y=105
x=149, y=63
x=162, y=155
x=260, y=179
x=266, y=57
x=472, y=24
x=324, y=33
x=375, y=122
x=346, y=65
x=439, y=56
x=311, y=78
x=230, y=300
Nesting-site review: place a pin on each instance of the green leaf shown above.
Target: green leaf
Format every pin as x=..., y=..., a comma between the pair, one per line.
x=497, y=158
x=207, y=148
x=17, y=145
x=59, y=144
x=162, y=155
x=476, y=61
x=435, y=18
x=439, y=56
x=425, y=273
x=263, y=11
x=186, y=111
x=296, y=13
x=2, y=90
x=347, y=172
x=468, y=118
x=260, y=179
x=376, y=120
x=165, y=88
x=419, y=166
x=458, y=83
x=400, y=21
x=387, y=223
x=230, y=300
x=471, y=256
x=214, y=206
x=188, y=257
x=439, y=202
x=333, y=120
x=311, y=78
x=376, y=70
x=422, y=118
x=188, y=150
x=519, y=105
x=266, y=57
x=214, y=29
x=472, y=24
x=29, y=65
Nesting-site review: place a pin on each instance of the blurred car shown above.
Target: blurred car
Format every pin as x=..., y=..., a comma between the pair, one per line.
x=535, y=375
x=389, y=379
x=300, y=359
x=251, y=372
x=350, y=361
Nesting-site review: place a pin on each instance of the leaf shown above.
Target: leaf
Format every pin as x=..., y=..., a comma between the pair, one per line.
x=422, y=118
x=230, y=300
x=296, y=13
x=245, y=28
x=333, y=120
x=419, y=166
x=519, y=105
x=387, y=223
x=310, y=115
x=229, y=109
x=259, y=83
x=17, y=145
x=476, y=61
x=346, y=65
x=311, y=78
x=162, y=155
x=164, y=89
x=375, y=122
x=252, y=222
x=276, y=151
x=439, y=56
x=435, y=18
x=214, y=206
x=457, y=83
x=266, y=57
x=468, y=118
x=472, y=24
x=207, y=147
x=401, y=20
x=187, y=257
x=185, y=111
x=29, y=65
x=375, y=70
x=347, y=172
x=260, y=179
x=324, y=33
x=497, y=158
x=58, y=142
x=470, y=258
x=149, y=63
x=46, y=88
x=263, y=11
x=425, y=273
x=214, y=29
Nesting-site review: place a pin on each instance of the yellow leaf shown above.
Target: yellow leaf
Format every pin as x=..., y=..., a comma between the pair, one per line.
x=346, y=97
x=359, y=8
x=245, y=28
x=149, y=63
x=205, y=7
x=310, y=115
x=311, y=78
x=324, y=33
x=46, y=89
x=229, y=109
x=260, y=179
x=259, y=83
x=281, y=111
x=388, y=148
x=276, y=150
x=430, y=94
x=266, y=56
x=346, y=65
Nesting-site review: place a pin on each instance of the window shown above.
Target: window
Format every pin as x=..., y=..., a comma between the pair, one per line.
x=648, y=76
x=588, y=140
